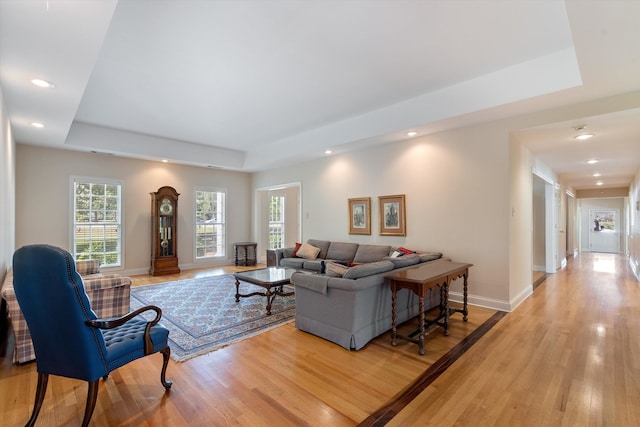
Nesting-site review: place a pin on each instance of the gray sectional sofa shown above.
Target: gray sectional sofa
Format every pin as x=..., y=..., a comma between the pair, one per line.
x=352, y=309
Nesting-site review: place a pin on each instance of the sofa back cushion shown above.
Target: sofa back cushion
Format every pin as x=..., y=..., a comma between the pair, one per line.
x=371, y=253
x=404, y=261
x=342, y=251
x=364, y=270
x=322, y=244
x=429, y=256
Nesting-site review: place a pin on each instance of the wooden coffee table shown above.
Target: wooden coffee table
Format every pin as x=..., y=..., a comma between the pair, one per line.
x=272, y=279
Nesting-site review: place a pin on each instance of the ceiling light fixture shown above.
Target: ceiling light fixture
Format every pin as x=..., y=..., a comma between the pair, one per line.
x=165, y=161
x=592, y=161
x=412, y=133
x=43, y=83
x=597, y=174
x=328, y=151
x=599, y=183
x=583, y=136
x=37, y=125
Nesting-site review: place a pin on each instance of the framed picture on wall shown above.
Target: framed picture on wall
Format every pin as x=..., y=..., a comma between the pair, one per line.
x=392, y=215
x=360, y=215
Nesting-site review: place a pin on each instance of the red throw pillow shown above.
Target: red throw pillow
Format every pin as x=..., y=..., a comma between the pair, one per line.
x=405, y=251
x=295, y=251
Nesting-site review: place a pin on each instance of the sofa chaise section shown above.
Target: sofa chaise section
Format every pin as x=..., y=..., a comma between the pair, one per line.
x=350, y=312
x=352, y=309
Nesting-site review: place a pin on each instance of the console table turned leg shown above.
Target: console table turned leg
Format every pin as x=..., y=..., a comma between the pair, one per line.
x=394, y=306
x=421, y=337
x=465, y=308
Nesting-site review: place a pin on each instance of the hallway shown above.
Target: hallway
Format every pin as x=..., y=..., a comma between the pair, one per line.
x=568, y=355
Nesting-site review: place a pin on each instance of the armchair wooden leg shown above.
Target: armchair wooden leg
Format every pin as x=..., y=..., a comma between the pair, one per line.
x=166, y=354
x=92, y=398
x=43, y=380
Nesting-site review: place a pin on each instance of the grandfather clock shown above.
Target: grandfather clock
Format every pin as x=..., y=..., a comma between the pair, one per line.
x=164, y=232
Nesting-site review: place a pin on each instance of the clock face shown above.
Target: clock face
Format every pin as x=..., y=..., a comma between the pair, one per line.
x=166, y=207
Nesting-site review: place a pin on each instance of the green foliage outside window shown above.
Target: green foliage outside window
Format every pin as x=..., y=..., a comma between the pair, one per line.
x=210, y=223
x=97, y=226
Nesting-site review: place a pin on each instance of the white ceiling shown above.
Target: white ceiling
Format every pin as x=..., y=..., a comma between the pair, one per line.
x=254, y=84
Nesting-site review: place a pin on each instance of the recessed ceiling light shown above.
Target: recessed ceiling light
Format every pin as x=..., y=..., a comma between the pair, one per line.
x=37, y=125
x=165, y=161
x=328, y=151
x=599, y=183
x=43, y=83
x=412, y=133
x=597, y=174
x=592, y=161
x=582, y=136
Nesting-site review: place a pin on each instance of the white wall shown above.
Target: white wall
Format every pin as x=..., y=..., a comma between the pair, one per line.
x=456, y=185
x=539, y=225
x=520, y=249
x=44, y=200
x=634, y=233
x=7, y=190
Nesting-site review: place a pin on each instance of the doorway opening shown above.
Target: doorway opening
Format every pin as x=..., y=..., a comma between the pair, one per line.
x=278, y=217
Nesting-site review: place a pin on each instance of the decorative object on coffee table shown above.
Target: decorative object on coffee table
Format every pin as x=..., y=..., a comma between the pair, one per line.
x=164, y=232
x=360, y=215
x=392, y=215
x=272, y=279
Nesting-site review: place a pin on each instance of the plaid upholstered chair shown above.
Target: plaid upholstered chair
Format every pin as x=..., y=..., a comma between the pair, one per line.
x=68, y=338
x=110, y=296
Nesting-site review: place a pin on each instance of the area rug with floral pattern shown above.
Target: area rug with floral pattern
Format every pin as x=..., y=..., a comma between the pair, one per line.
x=202, y=314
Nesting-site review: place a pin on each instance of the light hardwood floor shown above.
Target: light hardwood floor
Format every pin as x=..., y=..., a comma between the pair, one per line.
x=568, y=355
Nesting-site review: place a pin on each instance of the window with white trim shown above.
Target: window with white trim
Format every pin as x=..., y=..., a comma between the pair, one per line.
x=210, y=223
x=97, y=221
x=276, y=222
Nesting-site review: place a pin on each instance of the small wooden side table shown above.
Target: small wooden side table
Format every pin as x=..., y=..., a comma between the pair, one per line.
x=272, y=258
x=245, y=253
x=420, y=280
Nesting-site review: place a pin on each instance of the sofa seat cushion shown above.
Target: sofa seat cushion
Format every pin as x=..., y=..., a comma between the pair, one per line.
x=371, y=253
x=296, y=263
x=313, y=265
x=368, y=269
x=342, y=251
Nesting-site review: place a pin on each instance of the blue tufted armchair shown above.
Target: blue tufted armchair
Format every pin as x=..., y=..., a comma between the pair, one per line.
x=68, y=338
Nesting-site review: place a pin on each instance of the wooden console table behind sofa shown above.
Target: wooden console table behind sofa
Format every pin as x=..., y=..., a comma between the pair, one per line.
x=421, y=280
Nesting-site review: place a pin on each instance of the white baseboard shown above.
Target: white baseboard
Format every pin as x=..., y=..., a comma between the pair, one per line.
x=188, y=266
x=494, y=304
